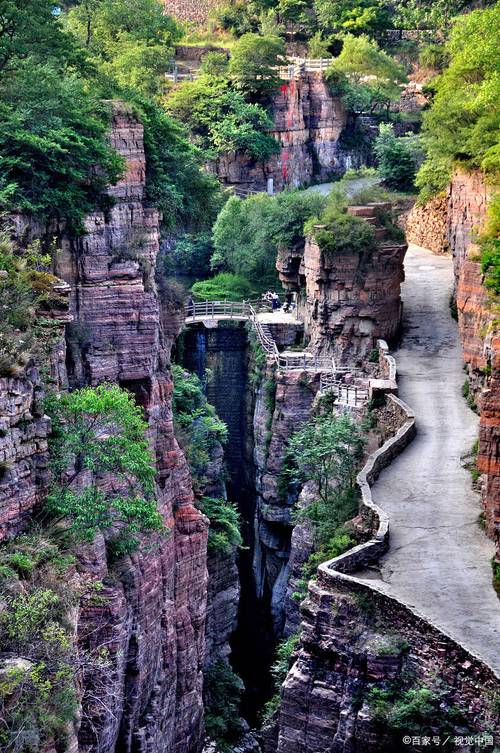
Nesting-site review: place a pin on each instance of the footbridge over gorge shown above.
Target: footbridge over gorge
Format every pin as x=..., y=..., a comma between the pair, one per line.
x=332, y=376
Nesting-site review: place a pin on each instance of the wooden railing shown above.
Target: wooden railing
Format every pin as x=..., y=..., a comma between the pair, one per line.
x=302, y=361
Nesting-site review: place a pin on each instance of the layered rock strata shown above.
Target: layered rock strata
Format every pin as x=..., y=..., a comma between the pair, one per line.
x=478, y=321
x=350, y=299
x=150, y=616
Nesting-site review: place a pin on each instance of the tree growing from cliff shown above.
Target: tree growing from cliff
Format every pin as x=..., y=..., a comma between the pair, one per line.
x=366, y=77
x=254, y=62
x=326, y=451
x=103, y=471
x=397, y=157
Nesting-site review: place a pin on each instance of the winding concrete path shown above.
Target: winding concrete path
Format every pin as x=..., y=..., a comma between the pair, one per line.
x=439, y=558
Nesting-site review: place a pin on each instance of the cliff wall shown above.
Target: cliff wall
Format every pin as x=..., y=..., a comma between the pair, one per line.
x=478, y=321
x=350, y=299
x=151, y=611
x=308, y=124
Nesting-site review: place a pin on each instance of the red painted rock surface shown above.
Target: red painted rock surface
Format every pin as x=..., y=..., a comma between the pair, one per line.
x=308, y=122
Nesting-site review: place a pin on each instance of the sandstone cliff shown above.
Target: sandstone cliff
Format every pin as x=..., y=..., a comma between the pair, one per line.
x=478, y=321
x=308, y=124
x=351, y=299
x=151, y=610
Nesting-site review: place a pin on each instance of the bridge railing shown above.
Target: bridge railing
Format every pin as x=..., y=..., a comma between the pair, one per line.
x=304, y=361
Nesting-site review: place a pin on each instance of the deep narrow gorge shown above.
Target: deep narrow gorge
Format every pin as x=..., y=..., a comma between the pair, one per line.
x=249, y=378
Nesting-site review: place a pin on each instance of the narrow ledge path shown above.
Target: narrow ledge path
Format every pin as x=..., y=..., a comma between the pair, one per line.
x=439, y=561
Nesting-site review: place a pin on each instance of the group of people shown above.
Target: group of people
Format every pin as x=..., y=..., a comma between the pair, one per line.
x=272, y=298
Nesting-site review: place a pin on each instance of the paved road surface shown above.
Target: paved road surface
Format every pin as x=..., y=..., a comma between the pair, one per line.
x=439, y=560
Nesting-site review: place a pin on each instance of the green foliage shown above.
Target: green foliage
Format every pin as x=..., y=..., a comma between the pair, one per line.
x=131, y=41
x=37, y=693
x=253, y=63
x=366, y=77
x=191, y=255
x=223, y=287
x=463, y=122
x=96, y=432
x=415, y=14
x=337, y=232
x=249, y=232
x=329, y=547
x=285, y=653
x=52, y=135
x=327, y=451
x=489, y=243
x=434, y=56
x=176, y=183
x=319, y=47
x=398, y=158
x=219, y=118
x=224, y=532
x=222, y=691
x=355, y=16
x=412, y=709
x=215, y=64
x=197, y=426
x=26, y=288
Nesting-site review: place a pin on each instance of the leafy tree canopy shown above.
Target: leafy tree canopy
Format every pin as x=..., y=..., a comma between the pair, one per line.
x=254, y=61
x=248, y=233
x=97, y=433
x=463, y=123
x=131, y=40
x=220, y=119
x=353, y=16
x=365, y=76
x=398, y=158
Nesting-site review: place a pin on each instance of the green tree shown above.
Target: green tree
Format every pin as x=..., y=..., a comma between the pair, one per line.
x=354, y=16
x=131, y=41
x=99, y=435
x=248, y=233
x=397, y=158
x=326, y=451
x=463, y=122
x=254, y=62
x=52, y=136
x=32, y=30
x=221, y=120
x=365, y=76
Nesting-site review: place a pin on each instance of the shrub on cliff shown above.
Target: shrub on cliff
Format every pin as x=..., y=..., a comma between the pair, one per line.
x=489, y=243
x=197, y=426
x=224, y=532
x=222, y=690
x=463, y=123
x=99, y=434
x=337, y=232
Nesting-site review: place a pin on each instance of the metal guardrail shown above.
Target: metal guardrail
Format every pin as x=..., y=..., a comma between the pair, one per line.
x=304, y=361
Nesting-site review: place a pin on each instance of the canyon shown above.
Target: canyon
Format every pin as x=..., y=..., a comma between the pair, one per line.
x=171, y=609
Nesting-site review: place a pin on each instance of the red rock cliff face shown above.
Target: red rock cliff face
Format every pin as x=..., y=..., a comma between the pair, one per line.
x=308, y=122
x=152, y=614
x=347, y=300
x=478, y=321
